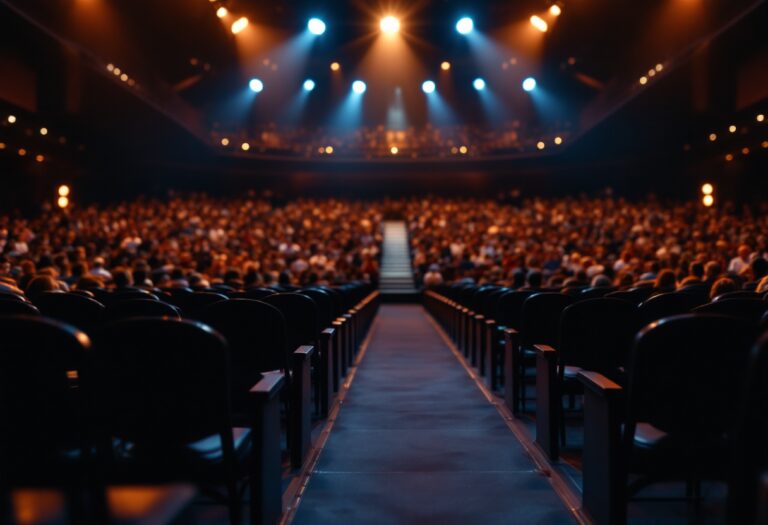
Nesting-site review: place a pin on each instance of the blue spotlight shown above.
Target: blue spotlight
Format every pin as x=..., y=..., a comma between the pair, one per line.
x=465, y=25
x=359, y=87
x=256, y=85
x=428, y=87
x=479, y=84
x=309, y=84
x=529, y=84
x=316, y=26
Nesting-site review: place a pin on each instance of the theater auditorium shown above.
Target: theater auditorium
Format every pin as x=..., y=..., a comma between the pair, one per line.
x=387, y=262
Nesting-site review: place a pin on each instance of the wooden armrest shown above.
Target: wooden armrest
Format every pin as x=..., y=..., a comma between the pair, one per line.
x=328, y=332
x=490, y=322
x=509, y=331
x=304, y=351
x=598, y=383
x=479, y=317
x=269, y=386
x=544, y=350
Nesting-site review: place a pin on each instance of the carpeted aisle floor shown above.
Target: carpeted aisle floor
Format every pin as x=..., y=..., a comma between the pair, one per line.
x=417, y=442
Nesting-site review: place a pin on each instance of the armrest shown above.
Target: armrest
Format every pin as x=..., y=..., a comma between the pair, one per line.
x=304, y=351
x=598, y=383
x=479, y=317
x=490, y=322
x=509, y=331
x=269, y=386
x=544, y=350
x=328, y=332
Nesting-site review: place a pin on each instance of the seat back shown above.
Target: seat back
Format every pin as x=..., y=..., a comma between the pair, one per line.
x=540, y=322
x=478, y=298
x=665, y=305
x=596, y=335
x=75, y=309
x=738, y=294
x=300, y=314
x=596, y=293
x=684, y=375
x=751, y=310
x=325, y=307
x=192, y=305
x=41, y=367
x=631, y=296
x=509, y=308
x=141, y=308
x=15, y=307
x=490, y=302
x=160, y=383
x=750, y=440
x=256, y=334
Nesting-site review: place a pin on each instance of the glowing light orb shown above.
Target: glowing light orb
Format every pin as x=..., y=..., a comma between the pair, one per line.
x=529, y=84
x=309, y=84
x=479, y=84
x=316, y=26
x=359, y=87
x=389, y=25
x=256, y=85
x=428, y=86
x=465, y=26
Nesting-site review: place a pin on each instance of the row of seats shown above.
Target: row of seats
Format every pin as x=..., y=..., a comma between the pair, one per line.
x=150, y=387
x=662, y=375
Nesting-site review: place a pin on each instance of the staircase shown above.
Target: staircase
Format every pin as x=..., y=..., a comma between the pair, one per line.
x=396, y=276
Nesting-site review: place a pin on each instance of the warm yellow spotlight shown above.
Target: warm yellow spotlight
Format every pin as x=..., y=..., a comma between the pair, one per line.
x=764, y=144
x=732, y=128
x=116, y=71
x=394, y=150
x=643, y=80
x=659, y=67
x=539, y=23
x=124, y=77
x=651, y=72
x=708, y=200
x=335, y=66
x=11, y=119
x=389, y=25
x=2, y=146
x=245, y=146
x=63, y=202
x=40, y=158
x=760, y=117
x=463, y=150
x=540, y=144
x=445, y=66
x=329, y=149
x=110, y=67
x=222, y=12
x=712, y=137
x=225, y=141
x=558, y=140
x=729, y=157
x=63, y=190
x=707, y=189
x=22, y=152
x=239, y=24
x=745, y=151
x=555, y=10
x=43, y=131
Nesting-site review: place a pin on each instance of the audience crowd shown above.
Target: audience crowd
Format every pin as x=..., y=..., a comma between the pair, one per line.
x=194, y=241
x=599, y=242
x=198, y=241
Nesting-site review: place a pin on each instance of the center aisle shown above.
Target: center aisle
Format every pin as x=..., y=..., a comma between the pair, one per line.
x=417, y=442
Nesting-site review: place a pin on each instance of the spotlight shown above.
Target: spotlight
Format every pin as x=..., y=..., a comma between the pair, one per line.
x=529, y=84
x=708, y=200
x=394, y=150
x=40, y=158
x=712, y=137
x=222, y=12
x=479, y=84
x=11, y=119
x=465, y=26
x=335, y=66
x=239, y=24
x=309, y=84
x=732, y=128
x=359, y=87
x=245, y=146
x=540, y=144
x=63, y=190
x=643, y=80
x=225, y=142
x=43, y=131
x=558, y=140
x=539, y=23
x=555, y=10
x=707, y=189
x=389, y=25
x=428, y=86
x=329, y=150
x=316, y=26
x=256, y=85
x=62, y=202
x=760, y=117
x=445, y=66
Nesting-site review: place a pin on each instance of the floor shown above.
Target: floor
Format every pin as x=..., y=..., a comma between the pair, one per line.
x=417, y=442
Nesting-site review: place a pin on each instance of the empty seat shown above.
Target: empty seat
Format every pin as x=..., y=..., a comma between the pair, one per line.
x=76, y=309
x=14, y=307
x=141, y=308
x=751, y=310
x=161, y=400
x=665, y=305
x=193, y=305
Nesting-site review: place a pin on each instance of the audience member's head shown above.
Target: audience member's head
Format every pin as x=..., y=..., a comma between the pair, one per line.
x=721, y=286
